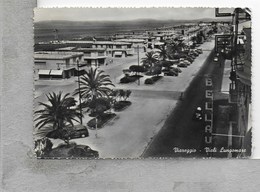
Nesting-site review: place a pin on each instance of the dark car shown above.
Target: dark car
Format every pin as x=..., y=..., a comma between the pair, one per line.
x=192, y=56
x=199, y=51
x=83, y=151
x=175, y=69
x=190, y=59
x=170, y=73
x=77, y=131
x=194, y=53
x=73, y=150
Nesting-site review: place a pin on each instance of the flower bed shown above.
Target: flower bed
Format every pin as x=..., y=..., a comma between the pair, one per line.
x=121, y=105
x=130, y=79
x=101, y=121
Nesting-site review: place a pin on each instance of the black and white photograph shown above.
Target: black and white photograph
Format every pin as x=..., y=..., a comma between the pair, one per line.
x=142, y=83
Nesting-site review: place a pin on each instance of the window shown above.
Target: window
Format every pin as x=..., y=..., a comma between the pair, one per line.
x=88, y=54
x=101, y=54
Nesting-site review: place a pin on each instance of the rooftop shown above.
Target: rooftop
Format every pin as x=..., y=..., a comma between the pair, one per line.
x=56, y=55
x=130, y=40
x=98, y=42
x=91, y=49
x=65, y=49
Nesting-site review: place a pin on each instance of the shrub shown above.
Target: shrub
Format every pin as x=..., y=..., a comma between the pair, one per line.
x=156, y=78
x=120, y=105
x=125, y=80
x=137, y=68
x=129, y=79
x=148, y=81
x=101, y=120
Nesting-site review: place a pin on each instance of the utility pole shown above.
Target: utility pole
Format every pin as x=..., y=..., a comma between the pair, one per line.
x=80, y=108
x=138, y=62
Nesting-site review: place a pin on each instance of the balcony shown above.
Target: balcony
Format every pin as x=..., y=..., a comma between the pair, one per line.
x=232, y=93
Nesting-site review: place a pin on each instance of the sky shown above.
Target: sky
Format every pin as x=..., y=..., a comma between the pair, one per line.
x=121, y=14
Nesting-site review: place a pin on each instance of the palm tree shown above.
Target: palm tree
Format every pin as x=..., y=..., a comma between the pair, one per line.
x=163, y=53
x=94, y=84
x=149, y=59
x=58, y=113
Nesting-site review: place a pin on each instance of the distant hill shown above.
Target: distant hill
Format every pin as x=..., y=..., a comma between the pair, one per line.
x=144, y=23
x=66, y=30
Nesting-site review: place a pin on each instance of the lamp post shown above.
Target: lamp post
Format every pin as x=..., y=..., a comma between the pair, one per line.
x=80, y=108
x=138, y=62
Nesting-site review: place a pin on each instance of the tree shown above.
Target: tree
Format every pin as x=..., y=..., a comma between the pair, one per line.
x=167, y=64
x=122, y=93
x=127, y=94
x=156, y=70
x=149, y=59
x=60, y=112
x=98, y=106
x=172, y=48
x=163, y=53
x=137, y=69
x=94, y=84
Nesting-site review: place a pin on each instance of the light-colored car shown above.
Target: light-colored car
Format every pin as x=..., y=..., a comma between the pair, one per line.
x=182, y=64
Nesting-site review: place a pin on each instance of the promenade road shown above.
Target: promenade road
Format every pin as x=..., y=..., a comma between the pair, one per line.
x=130, y=132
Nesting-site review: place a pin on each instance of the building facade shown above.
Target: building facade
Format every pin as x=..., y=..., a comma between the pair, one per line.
x=56, y=64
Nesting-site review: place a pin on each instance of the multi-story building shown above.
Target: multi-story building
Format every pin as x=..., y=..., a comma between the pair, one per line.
x=238, y=51
x=94, y=56
x=136, y=43
x=243, y=90
x=56, y=64
x=113, y=48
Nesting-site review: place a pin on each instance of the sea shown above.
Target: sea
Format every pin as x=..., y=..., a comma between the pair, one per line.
x=45, y=31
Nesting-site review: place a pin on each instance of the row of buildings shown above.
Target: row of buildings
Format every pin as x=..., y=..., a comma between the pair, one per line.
x=63, y=59
x=236, y=47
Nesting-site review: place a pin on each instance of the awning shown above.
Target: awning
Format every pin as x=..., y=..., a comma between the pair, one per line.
x=43, y=72
x=118, y=53
x=56, y=72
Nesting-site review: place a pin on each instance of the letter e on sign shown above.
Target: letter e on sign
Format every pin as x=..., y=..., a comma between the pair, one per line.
x=208, y=82
x=209, y=94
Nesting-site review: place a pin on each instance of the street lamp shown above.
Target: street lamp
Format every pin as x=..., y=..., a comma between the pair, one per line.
x=138, y=62
x=80, y=107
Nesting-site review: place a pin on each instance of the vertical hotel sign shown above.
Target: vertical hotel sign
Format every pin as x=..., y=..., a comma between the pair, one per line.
x=208, y=112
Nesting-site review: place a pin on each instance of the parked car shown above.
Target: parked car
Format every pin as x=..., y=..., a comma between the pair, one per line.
x=64, y=151
x=83, y=151
x=176, y=68
x=170, y=73
x=200, y=51
x=190, y=59
x=174, y=61
x=78, y=131
x=195, y=53
x=192, y=56
x=187, y=62
x=182, y=64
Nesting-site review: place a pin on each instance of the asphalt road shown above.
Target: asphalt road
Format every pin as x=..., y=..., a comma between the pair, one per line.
x=180, y=132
